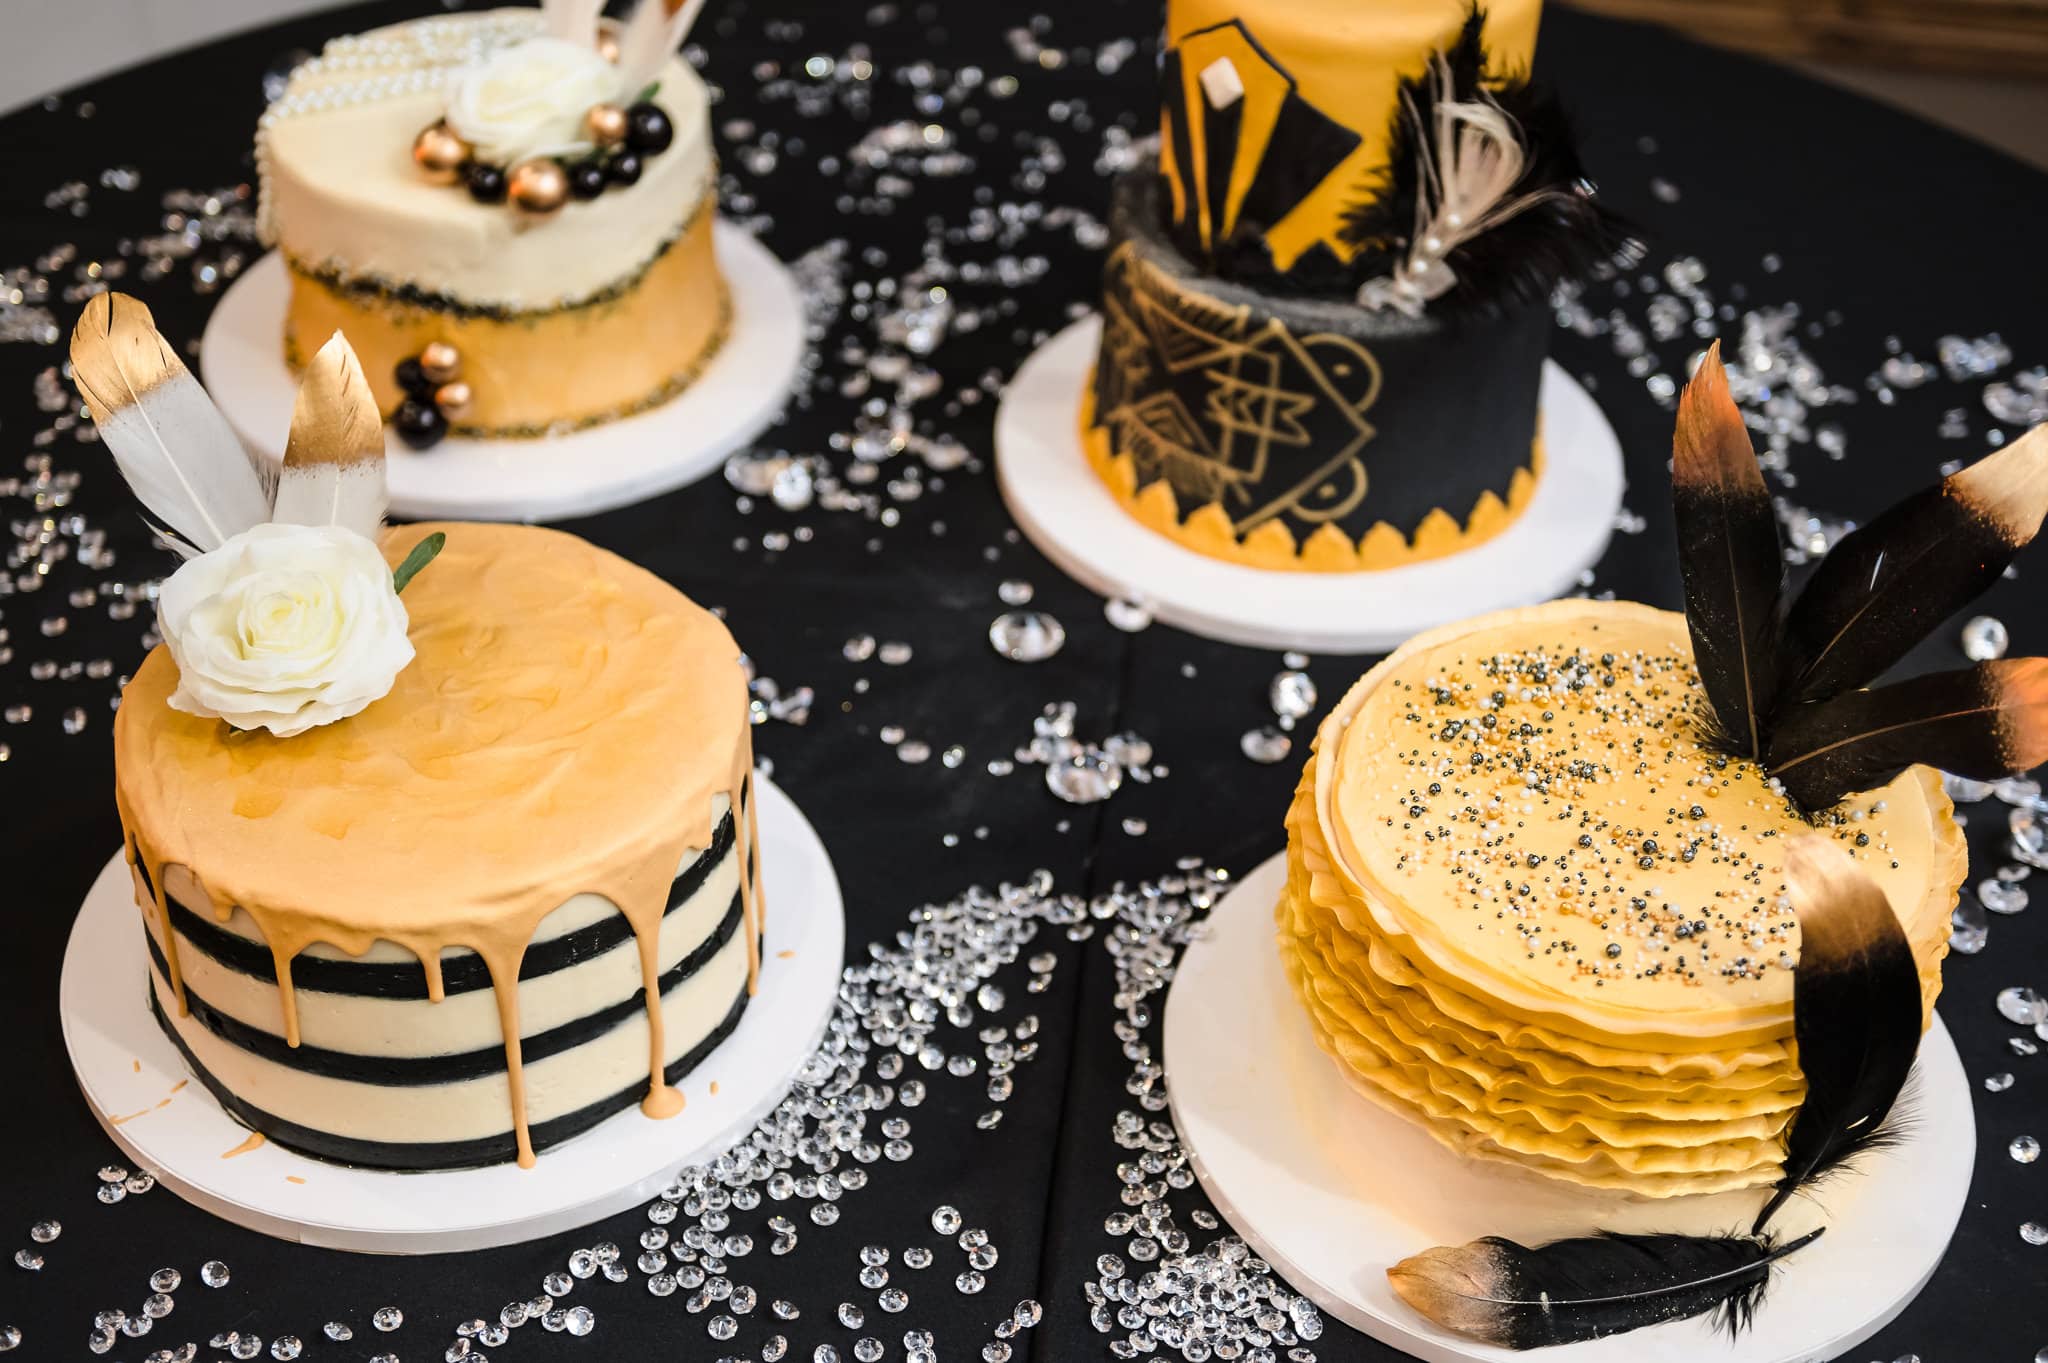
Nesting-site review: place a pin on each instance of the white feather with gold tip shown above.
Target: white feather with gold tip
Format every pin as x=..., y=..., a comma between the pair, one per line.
x=334, y=456
x=573, y=21
x=178, y=453
x=653, y=32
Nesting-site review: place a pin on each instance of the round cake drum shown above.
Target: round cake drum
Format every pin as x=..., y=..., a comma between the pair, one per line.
x=575, y=474
x=1333, y=1190
x=139, y=1088
x=1073, y=518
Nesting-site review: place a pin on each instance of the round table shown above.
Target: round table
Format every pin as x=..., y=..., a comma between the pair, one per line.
x=1884, y=231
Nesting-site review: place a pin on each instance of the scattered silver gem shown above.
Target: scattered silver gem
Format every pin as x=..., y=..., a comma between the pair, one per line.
x=337, y=1332
x=28, y=1259
x=1292, y=694
x=1026, y=636
x=1265, y=745
x=1128, y=614
x=1968, y=928
x=2001, y=896
x=387, y=1318
x=213, y=1273
x=1985, y=639
x=2034, y=1233
x=2025, y=1149
x=165, y=1280
x=43, y=1232
x=1015, y=592
x=2022, y=1005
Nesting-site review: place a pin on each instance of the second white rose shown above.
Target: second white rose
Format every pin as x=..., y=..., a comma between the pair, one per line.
x=284, y=627
x=530, y=100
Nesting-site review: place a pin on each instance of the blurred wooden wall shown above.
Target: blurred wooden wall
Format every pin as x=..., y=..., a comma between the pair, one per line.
x=2002, y=37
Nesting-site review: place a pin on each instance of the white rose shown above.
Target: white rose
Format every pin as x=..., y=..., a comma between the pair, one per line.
x=530, y=100
x=284, y=627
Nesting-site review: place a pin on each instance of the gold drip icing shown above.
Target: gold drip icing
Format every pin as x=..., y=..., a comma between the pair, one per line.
x=566, y=728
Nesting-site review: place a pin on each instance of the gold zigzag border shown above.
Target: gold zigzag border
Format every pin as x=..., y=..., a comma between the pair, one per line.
x=1207, y=529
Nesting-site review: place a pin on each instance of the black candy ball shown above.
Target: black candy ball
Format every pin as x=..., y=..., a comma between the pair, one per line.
x=486, y=183
x=648, y=129
x=586, y=179
x=412, y=380
x=419, y=424
x=623, y=169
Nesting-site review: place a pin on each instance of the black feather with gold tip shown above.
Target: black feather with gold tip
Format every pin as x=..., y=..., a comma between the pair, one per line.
x=1856, y=1022
x=1855, y=1015
x=1982, y=722
x=1729, y=555
x=1780, y=678
x=1890, y=584
x=1515, y=1297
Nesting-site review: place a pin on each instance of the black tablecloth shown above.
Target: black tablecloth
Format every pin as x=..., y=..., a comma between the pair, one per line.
x=1876, y=225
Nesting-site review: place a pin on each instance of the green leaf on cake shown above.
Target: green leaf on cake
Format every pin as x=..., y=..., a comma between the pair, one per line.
x=422, y=554
x=653, y=88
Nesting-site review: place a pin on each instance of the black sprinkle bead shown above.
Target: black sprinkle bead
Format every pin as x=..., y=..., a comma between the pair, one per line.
x=623, y=169
x=648, y=129
x=412, y=380
x=419, y=424
x=586, y=179
x=486, y=183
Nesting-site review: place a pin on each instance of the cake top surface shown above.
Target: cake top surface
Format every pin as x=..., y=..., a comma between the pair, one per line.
x=1529, y=807
x=565, y=727
x=343, y=197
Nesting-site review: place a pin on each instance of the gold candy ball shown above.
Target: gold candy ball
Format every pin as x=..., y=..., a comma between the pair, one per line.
x=608, y=45
x=440, y=362
x=453, y=399
x=538, y=186
x=439, y=152
x=607, y=124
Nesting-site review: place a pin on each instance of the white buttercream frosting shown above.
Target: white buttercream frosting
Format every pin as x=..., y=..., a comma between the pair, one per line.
x=342, y=196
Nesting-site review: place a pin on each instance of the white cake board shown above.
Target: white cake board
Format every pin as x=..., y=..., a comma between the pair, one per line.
x=127, y=1066
x=1333, y=1190
x=577, y=474
x=1074, y=519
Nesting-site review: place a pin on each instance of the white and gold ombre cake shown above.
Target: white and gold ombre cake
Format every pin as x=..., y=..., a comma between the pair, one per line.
x=509, y=213
x=443, y=836
x=1530, y=908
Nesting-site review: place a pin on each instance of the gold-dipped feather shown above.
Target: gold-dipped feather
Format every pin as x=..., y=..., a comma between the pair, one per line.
x=334, y=456
x=181, y=458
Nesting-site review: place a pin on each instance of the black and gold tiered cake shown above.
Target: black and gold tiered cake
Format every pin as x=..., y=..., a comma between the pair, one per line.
x=1325, y=308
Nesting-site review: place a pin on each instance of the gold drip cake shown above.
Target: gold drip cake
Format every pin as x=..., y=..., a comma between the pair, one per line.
x=511, y=897
x=1530, y=907
x=509, y=217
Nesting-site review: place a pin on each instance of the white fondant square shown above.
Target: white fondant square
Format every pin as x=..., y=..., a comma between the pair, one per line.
x=1222, y=84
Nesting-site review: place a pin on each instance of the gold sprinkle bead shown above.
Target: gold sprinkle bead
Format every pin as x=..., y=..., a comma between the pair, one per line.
x=439, y=153
x=441, y=362
x=606, y=124
x=538, y=186
x=453, y=399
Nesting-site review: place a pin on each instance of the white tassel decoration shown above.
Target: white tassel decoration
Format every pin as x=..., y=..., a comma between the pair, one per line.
x=178, y=453
x=1469, y=163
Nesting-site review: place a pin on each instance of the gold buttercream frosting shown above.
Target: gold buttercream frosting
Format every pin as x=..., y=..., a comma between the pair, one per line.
x=1528, y=907
x=567, y=727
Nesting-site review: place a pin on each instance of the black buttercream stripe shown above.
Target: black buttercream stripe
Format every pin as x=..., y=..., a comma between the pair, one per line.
x=1173, y=97
x=1221, y=129
x=460, y=975
x=409, y=1071
x=424, y=1155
